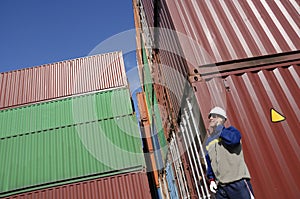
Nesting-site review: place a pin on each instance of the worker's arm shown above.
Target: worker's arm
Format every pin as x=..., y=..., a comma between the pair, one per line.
x=230, y=136
x=210, y=175
x=209, y=172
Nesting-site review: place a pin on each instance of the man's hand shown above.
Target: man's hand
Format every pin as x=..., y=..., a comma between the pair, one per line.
x=210, y=130
x=213, y=186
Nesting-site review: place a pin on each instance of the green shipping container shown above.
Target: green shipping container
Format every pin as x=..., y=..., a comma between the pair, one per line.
x=68, y=140
x=75, y=152
x=65, y=112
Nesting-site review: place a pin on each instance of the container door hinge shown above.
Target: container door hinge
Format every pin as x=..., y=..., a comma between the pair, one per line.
x=226, y=85
x=195, y=78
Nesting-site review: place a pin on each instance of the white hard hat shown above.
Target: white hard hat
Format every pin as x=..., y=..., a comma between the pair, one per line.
x=218, y=111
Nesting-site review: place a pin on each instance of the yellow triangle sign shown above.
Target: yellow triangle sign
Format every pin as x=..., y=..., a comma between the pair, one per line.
x=276, y=116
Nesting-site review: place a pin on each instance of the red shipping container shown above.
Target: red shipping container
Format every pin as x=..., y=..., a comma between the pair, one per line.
x=217, y=31
x=244, y=56
x=62, y=79
x=132, y=185
x=271, y=149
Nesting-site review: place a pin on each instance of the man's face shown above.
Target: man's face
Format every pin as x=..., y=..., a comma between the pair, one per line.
x=214, y=121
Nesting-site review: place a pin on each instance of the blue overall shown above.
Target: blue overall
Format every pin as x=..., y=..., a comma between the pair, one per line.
x=235, y=190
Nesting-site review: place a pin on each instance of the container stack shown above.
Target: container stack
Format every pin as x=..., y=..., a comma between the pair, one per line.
x=68, y=130
x=241, y=55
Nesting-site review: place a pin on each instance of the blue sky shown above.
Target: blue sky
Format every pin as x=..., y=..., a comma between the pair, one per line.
x=35, y=32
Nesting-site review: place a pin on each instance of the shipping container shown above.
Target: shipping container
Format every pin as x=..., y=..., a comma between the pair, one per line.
x=133, y=185
x=236, y=30
x=171, y=182
x=271, y=149
x=65, y=112
x=224, y=30
x=240, y=55
x=61, y=79
x=167, y=62
x=70, y=152
x=163, y=73
x=189, y=34
x=154, y=109
x=145, y=129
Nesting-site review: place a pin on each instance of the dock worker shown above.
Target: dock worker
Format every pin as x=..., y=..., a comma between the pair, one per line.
x=227, y=171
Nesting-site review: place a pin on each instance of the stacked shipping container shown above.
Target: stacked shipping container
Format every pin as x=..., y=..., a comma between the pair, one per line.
x=242, y=55
x=152, y=130
x=62, y=79
x=123, y=186
x=73, y=133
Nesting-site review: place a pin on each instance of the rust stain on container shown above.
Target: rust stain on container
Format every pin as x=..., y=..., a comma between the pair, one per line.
x=62, y=79
x=271, y=149
x=126, y=186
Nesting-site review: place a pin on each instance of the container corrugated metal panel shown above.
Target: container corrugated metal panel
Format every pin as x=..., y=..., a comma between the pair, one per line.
x=157, y=148
x=151, y=91
x=171, y=182
x=232, y=30
x=173, y=81
x=149, y=11
x=62, y=79
x=153, y=107
x=68, y=153
x=219, y=31
x=65, y=112
x=172, y=70
x=145, y=129
x=160, y=130
x=243, y=30
x=132, y=185
x=137, y=25
x=147, y=84
x=271, y=150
